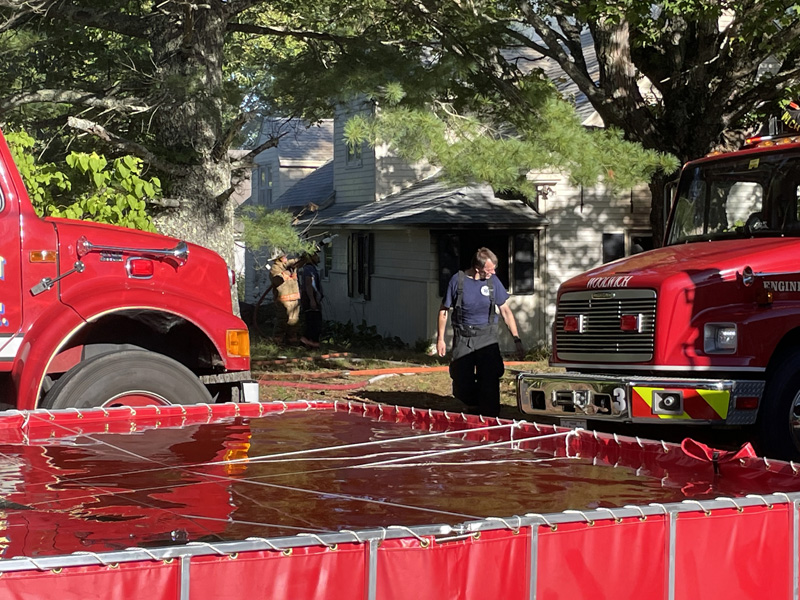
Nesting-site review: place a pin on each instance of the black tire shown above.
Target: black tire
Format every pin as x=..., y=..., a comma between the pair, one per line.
x=778, y=424
x=104, y=378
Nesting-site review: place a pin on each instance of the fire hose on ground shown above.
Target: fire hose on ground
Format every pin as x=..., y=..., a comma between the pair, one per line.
x=296, y=380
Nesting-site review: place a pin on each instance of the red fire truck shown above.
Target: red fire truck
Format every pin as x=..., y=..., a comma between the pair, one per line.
x=705, y=330
x=94, y=315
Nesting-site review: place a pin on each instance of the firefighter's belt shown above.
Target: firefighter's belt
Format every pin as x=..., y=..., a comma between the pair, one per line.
x=468, y=338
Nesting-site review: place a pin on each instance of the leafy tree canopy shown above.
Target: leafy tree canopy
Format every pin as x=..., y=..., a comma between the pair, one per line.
x=87, y=187
x=679, y=77
x=174, y=82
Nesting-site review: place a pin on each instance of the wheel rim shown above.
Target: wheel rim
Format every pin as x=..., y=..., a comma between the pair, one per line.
x=794, y=420
x=136, y=398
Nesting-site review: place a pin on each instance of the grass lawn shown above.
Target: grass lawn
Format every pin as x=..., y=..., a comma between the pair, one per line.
x=333, y=372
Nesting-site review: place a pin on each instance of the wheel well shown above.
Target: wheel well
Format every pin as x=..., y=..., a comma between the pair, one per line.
x=789, y=344
x=157, y=331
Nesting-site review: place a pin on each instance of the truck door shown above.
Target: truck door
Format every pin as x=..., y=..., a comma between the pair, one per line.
x=10, y=265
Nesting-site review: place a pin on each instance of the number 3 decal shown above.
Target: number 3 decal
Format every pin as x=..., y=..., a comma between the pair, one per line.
x=619, y=400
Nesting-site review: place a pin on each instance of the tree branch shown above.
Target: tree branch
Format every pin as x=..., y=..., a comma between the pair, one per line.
x=126, y=146
x=769, y=88
x=110, y=20
x=236, y=7
x=78, y=97
x=222, y=146
x=282, y=32
x=271, y=142
x=25, y=12
x=551, y=38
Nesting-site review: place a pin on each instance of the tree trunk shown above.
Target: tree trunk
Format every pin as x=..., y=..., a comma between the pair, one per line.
x=189, y=55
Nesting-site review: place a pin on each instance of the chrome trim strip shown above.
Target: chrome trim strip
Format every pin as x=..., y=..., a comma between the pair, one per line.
x=615, y=368
x=672, y=534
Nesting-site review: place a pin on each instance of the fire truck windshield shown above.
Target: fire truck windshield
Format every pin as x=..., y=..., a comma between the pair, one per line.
x=742, y=196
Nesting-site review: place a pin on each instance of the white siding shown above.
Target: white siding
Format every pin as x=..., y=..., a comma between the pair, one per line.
x=282, y=177
x=290, y=176
x=405, y=292
x=353, y=184
x=404, y=270
x=574, y=239
x=256, y=279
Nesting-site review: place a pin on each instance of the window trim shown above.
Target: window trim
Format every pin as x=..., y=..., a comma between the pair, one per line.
x=360, y=264
x=354, y=156
x=265, y=185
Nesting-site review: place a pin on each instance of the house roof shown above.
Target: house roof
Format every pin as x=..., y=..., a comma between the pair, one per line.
x=433, y=203
x=315, y=188
x=303, y=144
x=529, y=59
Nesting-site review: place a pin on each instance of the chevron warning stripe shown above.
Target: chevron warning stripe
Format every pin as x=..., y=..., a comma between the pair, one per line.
x=707, y=405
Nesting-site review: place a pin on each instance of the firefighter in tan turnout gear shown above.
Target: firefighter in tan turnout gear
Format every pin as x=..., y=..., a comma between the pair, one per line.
x=286, y=292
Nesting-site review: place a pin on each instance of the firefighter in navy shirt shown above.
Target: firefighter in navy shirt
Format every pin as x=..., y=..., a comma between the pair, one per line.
x=477, y=366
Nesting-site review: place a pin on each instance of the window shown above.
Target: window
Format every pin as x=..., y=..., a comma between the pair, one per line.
x=353, y=158
x=360, y=259
x=619, y=245
x=613, y=246
x=523, y=252
x=326, y=261
x=640, y=241
x=516, y=254
x=264, y=185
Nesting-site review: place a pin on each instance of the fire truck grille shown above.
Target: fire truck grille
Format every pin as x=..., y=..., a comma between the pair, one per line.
x=599, y=333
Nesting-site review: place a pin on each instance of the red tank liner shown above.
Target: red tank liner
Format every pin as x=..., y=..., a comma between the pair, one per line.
x=746, y=547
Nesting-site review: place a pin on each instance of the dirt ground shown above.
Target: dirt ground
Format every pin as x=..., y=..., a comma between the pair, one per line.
x=345, y=376
x=348, y=377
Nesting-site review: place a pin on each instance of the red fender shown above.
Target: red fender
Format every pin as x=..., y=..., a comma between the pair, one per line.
x=40, y=344
x=58, y=324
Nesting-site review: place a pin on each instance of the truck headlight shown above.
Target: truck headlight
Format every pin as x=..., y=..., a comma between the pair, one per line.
x=719, y=338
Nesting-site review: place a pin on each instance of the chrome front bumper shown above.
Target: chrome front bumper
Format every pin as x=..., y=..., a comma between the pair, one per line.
x=575, y=396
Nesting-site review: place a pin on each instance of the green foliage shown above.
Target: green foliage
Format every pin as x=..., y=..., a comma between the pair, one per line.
x=88, y=187
x=347, y=336
x=471, y=149
x=273, y=229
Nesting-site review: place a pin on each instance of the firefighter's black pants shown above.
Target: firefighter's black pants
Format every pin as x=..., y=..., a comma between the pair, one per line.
x=476, y=379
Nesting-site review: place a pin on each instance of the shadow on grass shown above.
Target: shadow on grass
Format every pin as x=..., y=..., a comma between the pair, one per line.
x=427, y=400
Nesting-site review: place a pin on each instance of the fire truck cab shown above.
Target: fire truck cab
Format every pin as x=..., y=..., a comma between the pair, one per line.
x=704, y=330
x=97, y=315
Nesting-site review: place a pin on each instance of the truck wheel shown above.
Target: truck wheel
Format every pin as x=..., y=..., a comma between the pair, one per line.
x=778, y=425
x=126, y=378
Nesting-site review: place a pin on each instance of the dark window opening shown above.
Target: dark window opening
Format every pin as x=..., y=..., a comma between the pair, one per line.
x=516, y=254
x=360, y=264
x=353, y=157
x=641, y=242
x=613, y=246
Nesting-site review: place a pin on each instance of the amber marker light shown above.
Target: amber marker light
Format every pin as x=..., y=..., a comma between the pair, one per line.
x=237, y=342
x=42, y=256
